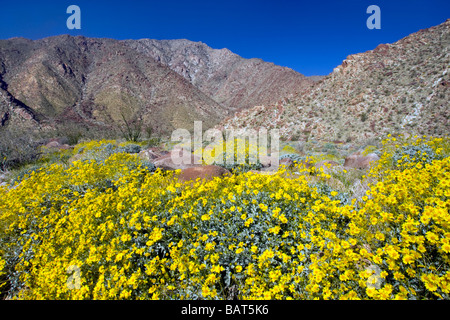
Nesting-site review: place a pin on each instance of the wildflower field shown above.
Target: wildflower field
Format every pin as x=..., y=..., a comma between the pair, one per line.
x=111, y=227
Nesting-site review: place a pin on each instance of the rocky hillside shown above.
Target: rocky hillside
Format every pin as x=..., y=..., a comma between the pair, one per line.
x=398, y=87
x=231, y=80
x=104, y=82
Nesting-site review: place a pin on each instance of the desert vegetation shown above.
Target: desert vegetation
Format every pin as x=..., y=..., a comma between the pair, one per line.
x=96, y=221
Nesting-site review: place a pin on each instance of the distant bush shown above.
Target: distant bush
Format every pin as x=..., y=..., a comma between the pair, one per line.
x=17, y=148
x=152, y=142
x=148, y=165
x=240, y=159
x=131, y=129
x=129, y=148
x=293, y=156
x=363, y=117
x=328, y=147
x=102, y=149
x=369, y=149
x=288, y=149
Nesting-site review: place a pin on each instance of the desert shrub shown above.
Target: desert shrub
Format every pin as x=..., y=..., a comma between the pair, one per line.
x=24, y=172
x=102, y=152
x=58, y=188
x=74, y=137
x=147, y=165
x=102, y=149
x=363, y=117
x=129, y=148
x=401, y=234
x=294, y=157
x=370, y=149
x=404, y=227
x=411, y=154
x=17, y=148
x=110, y=230
x=329, y=147
x=400, y=153
x=51, y=155
x=348, y=176
x=152, y=142
x=135, y=236
x=132, y=129
x=3, y=278
x=234, y=155
x=325, y=189
x=92, y=146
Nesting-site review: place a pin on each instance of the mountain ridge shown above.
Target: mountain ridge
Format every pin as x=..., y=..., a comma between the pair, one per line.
x=394, y=88
x=96, y=81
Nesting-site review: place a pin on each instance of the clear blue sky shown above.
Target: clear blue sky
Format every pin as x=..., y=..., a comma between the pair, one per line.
x=311, y=37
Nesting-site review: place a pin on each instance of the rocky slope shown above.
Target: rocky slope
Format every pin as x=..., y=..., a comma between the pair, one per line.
x=398, y=87
x=231, y=80
x=104, y=82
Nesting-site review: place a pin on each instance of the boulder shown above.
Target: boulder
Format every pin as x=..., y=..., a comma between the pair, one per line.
x=207, y=172
x=166, y=162
x=55, y=144
x=359, y=161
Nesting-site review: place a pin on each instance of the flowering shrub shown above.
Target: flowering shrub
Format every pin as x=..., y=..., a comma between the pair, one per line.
x=243, y=158
x=401, y=232
x=3, y=280
x=112, y=230
x=400, y=153
x=411, y=154
x=405, y=225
